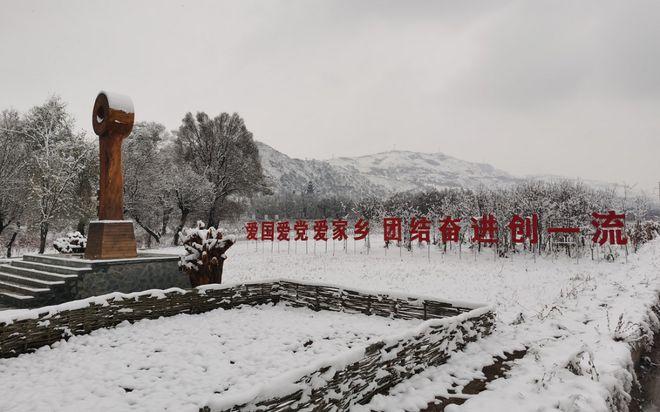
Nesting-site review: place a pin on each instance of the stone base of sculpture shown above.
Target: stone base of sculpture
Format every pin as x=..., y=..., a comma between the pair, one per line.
x=84, y=278
x=111, y=239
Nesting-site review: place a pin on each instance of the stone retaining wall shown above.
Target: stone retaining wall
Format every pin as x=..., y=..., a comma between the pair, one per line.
x=352, y=377
x=131, y=276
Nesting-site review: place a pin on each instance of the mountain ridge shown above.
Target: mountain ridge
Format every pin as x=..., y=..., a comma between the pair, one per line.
x=378, y=174
x=389, y=172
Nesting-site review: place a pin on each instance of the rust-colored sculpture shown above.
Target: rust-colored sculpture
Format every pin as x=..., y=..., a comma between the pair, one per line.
x=111, y=237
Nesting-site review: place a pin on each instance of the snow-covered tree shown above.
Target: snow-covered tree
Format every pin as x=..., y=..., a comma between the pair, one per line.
x=57, y=158
x=13, y=180
x=222, y=149
x=368, y=208
x=147, y=176
x=189, y=190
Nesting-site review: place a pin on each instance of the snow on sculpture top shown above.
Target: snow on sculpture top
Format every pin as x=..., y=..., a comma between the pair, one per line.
x=113, y=113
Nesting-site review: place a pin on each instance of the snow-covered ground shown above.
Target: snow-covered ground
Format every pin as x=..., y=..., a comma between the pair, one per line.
x=570, y=314
x=575, y=317
x=176, y=363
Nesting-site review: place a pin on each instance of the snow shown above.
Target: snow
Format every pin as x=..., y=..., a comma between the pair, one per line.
x=289, y=174
x=402, y=170
x=10, y=316
x=380, y=173
x=177, y=363
x=386, y=173
x=577, y=319
x=200, y=242
x=119, y=102
x=142, y=256
x=558, y=308
x=72, y=242
x=105, y=221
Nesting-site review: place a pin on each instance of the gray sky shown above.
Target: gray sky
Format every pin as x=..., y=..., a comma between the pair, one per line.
x=557, y=87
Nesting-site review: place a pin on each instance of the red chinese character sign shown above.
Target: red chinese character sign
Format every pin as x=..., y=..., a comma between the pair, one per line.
x=301, y=228
x=361, y=229
x=283, y=230
x=484, y=229
x=450, y=229
x=321, y=230
x=252, y=230
x=609, y=229
x=392, y=229
x=268, y=231
x=420, y=230
x=339, y=230
x=523, y=229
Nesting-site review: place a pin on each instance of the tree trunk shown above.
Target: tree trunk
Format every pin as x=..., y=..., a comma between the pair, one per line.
x=216, y=276
x=214, y=216
x=43, y=233
x=82, y=224
x=11, y=243
x=147, y=229
x=211, y=218
x=166, y=220
x=182, y=224
x=3, y=224
x=210, y=215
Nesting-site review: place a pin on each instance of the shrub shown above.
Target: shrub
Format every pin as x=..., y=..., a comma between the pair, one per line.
x=205, y=254
x=74, y=242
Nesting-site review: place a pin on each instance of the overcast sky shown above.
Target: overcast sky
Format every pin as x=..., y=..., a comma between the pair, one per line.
x=569, y=88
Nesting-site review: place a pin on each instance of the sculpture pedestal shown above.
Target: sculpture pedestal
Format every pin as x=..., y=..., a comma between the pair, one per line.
x=111, y=239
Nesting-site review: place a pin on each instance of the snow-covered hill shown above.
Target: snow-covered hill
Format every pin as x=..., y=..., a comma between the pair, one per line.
x=289, y=175
x=402, y=171
x=378, y=174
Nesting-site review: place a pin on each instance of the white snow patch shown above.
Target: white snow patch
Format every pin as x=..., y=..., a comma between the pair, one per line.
x=177, y=363
x=119, y=102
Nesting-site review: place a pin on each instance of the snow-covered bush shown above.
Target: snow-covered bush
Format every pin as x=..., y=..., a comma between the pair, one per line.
x=642, y=232
x=582, y=364
x=205, y=254
x=74, y=242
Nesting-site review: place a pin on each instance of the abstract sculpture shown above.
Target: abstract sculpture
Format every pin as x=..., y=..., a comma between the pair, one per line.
x=111, y=237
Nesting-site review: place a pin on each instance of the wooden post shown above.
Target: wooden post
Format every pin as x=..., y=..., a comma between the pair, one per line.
x=111, y=237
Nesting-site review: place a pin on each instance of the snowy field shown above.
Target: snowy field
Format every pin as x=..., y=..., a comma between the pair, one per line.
x=576, y=318
x=176, y=363
x=570, y=314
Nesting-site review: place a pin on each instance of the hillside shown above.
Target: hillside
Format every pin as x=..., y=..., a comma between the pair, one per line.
x=378, y=174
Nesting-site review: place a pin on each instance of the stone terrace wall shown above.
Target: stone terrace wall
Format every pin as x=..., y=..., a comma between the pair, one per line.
x=353, y=377
x=31, y=329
